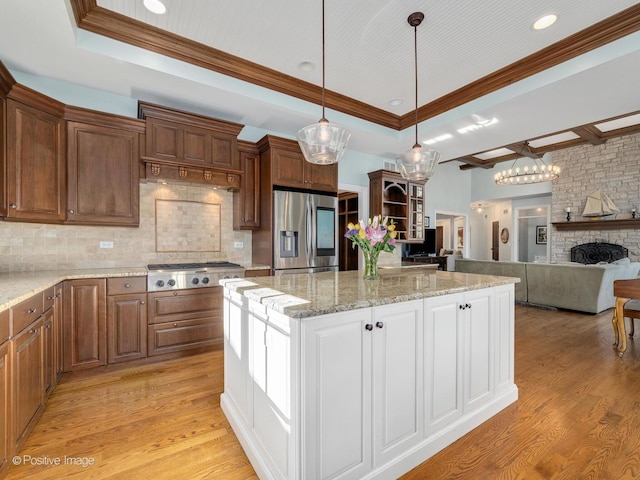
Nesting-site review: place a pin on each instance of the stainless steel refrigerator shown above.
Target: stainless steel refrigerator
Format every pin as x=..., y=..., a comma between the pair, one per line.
x=305, y=226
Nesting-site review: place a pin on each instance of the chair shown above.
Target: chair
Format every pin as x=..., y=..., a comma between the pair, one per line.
x=627, y=293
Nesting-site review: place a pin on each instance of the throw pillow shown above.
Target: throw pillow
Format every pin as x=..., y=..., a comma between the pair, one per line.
x=622, y=261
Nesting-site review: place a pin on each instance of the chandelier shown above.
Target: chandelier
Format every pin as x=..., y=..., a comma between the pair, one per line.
x=418, y=163
x=539, y=172
x=323, y=143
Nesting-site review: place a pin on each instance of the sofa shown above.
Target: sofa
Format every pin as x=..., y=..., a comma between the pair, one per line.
x=451, y=256
x=567, y=285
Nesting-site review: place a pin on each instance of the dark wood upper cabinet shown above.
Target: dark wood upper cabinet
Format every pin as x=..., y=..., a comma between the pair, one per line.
x=288, y=168
x=103, y=153
x=246, y=201
x=36, y=185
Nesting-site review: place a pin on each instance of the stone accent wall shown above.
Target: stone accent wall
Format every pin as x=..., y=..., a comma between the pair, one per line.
x=614, y=169
x=32, y=246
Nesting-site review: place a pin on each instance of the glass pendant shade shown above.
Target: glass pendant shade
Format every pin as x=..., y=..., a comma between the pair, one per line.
x=418, y=163
x=323, y=143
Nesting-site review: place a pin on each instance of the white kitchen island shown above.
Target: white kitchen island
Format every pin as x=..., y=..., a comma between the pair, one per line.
x=329, y=376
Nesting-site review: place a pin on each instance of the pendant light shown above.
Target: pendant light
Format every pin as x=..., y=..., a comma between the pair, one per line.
x=323, y=143
x=418, y=163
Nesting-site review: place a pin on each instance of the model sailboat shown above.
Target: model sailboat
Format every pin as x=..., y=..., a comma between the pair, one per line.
x=599, y=205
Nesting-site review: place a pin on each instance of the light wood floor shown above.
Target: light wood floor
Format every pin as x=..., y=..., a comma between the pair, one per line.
x=578, y=416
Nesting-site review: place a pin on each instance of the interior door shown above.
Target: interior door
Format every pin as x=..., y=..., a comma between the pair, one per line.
x=439, y=239
x=495, y=241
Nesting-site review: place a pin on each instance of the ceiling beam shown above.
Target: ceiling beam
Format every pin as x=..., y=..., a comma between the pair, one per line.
x=590, y=134
x=523, y=149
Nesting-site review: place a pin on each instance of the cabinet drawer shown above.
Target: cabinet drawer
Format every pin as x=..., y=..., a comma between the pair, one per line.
x=185, y=305
x=49, y=296
x=184, y=335
x=26, y=312
x=5, y=328
x=123, y=285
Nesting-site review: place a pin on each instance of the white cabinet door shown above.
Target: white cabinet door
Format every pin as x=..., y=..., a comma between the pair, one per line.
x=443, y=361
x=397, y=379
x=479, y=348
x=271, y=389
x=503, y=314
x=336, y=395
x=236, y=354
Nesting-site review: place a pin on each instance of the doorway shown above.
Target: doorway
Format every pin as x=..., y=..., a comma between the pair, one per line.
x=495, y=241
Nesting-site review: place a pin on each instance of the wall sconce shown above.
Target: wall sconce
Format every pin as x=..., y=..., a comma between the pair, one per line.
x=568, y=210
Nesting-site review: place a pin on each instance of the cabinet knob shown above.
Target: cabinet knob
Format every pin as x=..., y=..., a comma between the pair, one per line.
x=48, y=325
x=127, y=285
x=71, y=212
x=468, y=305
x=33, y=330
x=461, y=307
x=379, y=324
x=142, y=302
x=51, y=298
x=368, y=326
x=175, y=324
x=13, y=205
x=32, y=310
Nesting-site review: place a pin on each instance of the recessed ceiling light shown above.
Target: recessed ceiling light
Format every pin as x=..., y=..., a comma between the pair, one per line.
x=155, y=6
x=394, y=102
x=545, y=21
x=306, y=66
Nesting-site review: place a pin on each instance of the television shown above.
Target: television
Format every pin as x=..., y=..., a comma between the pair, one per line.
x=428, y=247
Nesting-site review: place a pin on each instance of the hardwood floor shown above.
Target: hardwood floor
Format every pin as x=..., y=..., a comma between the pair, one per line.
x=578, y=416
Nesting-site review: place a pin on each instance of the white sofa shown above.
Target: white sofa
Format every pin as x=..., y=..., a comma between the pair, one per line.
x=568, y=285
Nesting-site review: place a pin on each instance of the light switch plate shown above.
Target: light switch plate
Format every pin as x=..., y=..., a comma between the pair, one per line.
x=238, y=245
x=104, y=244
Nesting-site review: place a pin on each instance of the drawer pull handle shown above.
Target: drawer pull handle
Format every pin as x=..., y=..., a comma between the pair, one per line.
x=175, y=324
x=32, y=310
x=127, y=285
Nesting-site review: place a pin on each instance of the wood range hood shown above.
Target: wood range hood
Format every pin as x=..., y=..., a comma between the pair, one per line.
x=189, y=148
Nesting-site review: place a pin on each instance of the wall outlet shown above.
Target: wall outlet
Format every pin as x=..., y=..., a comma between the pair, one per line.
x=238, y=245
x=106, y=244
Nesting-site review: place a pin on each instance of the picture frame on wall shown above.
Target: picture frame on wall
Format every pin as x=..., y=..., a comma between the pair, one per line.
x=541, y=235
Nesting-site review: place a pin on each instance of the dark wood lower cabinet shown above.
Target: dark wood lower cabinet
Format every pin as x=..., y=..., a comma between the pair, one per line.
x=85, y=322
x=185, y=320
x=5, y=404
x=27, y=382
x=126, y=327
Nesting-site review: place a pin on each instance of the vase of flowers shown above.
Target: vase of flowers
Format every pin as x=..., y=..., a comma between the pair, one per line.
x=373, y=236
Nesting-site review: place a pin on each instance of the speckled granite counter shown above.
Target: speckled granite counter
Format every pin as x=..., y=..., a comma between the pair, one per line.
x=16, y=287
x=308, y=295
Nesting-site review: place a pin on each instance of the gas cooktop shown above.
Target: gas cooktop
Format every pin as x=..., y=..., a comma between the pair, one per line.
x=176, y=276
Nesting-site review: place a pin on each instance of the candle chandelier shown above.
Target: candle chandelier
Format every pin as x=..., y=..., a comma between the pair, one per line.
x=539, y=172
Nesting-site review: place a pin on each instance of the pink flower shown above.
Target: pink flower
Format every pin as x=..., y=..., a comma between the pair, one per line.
x=375, y=235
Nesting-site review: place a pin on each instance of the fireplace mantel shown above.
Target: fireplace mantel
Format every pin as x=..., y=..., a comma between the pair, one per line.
x=626, y=223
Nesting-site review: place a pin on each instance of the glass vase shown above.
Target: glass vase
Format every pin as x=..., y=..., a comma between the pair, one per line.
x=371, y=265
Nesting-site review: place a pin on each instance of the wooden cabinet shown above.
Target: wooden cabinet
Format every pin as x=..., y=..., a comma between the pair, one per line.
x=58, y=314
x=126, y=319
x=266, y=272
x=282, y=159
x=246, y=201
x=402, y=201
x=5, y=393
x=184, y=320
x=103, y=173
x=347, y=213
x=36, y=186
x=27, y=382
x=85, y=339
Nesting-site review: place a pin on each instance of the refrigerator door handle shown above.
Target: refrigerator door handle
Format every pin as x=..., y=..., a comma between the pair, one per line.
x=310, y=230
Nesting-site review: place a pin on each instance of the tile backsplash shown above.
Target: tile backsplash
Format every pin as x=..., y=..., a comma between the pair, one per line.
x=33, y=246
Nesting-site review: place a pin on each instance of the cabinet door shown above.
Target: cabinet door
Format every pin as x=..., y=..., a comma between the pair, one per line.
x=28, y=401
x=5, y=407
x=48, y=353
x=126, y=327
x=271, y=391
x=336, y=385
x=85, y=321
x=443, y=361
x=103, y=175
x=321, y=177
x=504, y=337
x=479, y=348
x=288, y=168
x=35, y=165
x=246, y=202
x=397, y=379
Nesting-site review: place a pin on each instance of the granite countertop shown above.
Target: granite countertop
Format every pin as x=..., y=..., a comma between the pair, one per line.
x=16, y=287
x=309, y=295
